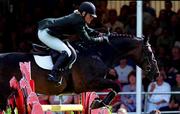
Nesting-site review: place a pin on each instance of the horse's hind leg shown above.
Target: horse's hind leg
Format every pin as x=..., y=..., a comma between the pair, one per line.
x=115, y=89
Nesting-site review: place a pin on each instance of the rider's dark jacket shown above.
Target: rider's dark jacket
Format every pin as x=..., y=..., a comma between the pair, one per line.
x=72, y=24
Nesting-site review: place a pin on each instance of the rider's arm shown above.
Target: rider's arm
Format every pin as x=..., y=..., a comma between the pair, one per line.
x=85, y=36
x=54, y=22
x=45, y=23
x=91, y=31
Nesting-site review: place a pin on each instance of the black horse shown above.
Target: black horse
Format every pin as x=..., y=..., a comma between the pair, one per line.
x=87, y=73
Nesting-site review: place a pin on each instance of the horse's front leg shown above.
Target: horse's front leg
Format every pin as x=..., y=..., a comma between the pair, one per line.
x=107, y=100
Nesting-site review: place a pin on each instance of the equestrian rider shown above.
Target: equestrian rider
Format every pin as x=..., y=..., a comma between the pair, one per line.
x=51, y=30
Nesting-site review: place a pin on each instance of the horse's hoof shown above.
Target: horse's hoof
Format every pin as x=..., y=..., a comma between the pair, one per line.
x=97, y=104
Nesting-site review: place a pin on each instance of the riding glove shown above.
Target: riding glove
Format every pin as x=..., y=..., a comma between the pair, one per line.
x=105, y=38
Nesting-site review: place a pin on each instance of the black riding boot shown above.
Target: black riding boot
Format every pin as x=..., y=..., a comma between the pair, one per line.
x=53, y=76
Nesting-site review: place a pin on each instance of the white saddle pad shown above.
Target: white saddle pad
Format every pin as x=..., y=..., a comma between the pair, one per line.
x=44, y=62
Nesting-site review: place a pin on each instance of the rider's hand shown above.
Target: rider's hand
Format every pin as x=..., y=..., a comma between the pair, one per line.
x=105, y=38
x=101, y=34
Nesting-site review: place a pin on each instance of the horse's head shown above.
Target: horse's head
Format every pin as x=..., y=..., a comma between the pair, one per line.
x=137, y=49
x=149, y=63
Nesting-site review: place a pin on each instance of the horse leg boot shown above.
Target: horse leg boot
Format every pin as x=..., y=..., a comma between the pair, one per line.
x=98, y=103
x=53, y=76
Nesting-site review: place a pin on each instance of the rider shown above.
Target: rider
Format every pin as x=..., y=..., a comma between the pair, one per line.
x=52, y=30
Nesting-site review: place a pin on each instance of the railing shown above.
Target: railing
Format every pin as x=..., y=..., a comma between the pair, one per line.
x=145, y=99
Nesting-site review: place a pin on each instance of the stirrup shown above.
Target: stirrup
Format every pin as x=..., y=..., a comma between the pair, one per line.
x=60, y=81
x=62, y=70
x=52, y=78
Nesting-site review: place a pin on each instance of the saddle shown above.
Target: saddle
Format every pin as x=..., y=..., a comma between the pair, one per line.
x=46, y=57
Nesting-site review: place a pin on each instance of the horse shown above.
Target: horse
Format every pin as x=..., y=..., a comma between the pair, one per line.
x=88, y=73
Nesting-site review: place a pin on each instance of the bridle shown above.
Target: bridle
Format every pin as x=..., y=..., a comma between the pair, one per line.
x=149, y=69
x=148, y=56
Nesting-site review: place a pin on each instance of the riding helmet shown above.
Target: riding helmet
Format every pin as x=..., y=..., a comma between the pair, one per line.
x=88, y=7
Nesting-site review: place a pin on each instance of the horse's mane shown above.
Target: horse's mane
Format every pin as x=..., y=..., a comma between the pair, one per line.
x=105, y=50
x=117, y=35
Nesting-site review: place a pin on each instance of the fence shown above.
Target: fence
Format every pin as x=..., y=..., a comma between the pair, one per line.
x=145, y=99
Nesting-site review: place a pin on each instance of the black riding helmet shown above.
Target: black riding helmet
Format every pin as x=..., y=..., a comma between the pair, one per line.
x=88, y=7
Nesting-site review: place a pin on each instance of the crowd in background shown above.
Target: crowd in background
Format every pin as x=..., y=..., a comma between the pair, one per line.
x=18, y=29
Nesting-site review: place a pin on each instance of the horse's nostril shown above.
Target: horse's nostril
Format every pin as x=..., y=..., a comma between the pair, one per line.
x=148, y=68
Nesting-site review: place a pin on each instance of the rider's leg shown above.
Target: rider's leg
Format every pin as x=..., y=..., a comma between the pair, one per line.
x=59, y=62
x=53, y=42
x=58, y=45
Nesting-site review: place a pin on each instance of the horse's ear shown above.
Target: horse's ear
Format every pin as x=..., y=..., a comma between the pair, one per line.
x=146, y=39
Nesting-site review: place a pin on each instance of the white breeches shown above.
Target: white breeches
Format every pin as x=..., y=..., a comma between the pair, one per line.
x=53, y=42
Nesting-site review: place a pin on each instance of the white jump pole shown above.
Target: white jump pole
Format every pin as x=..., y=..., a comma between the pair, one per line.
x=138, y=70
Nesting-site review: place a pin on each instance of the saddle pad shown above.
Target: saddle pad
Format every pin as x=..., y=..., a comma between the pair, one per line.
x=44, y=62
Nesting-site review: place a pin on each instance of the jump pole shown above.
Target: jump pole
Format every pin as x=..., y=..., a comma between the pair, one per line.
x=138, y=70
x=63, y=107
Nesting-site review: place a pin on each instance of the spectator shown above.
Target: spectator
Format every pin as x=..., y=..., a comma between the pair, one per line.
x=119, y=30
x=145, y=81
x=154, y=30
x=162, y=56
x=132, y=7
x=113, y=22
x=156, y=101
x=57, y=99
x=178, y=13
x=129, y=100
x=175, y=27
x=148, y=14
x=162, y=19
x=130, y=28
x=165, y=39
x=102, y=10
x=168, y=11
x=122, y=111
x=123, y=70
x=147, y=19
x=175, y=98
x=155, y=112
x=147, y=8
x=124, y=14
x=178, y=22
x=174, y=65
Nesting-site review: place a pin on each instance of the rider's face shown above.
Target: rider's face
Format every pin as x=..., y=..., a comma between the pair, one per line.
x=88, y=18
